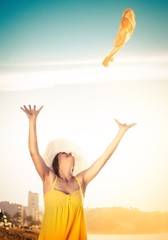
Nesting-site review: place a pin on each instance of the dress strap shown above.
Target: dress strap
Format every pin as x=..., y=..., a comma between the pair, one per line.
x=78, y=182
x=80, y=187
x=54, y=183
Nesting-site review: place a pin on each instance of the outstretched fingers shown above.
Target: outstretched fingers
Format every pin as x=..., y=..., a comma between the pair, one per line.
x=117, y=121
x=132, y=124
x=31, y=111
x=24, y=108
x=38, y=110
x=124, y=125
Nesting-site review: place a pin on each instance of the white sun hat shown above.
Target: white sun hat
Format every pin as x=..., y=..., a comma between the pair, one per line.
x=65, y=145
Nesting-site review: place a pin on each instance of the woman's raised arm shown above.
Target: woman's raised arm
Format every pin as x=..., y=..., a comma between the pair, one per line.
x=39, y=163
x=94, y=169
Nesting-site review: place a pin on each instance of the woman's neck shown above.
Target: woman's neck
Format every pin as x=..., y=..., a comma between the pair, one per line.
x=66, y=177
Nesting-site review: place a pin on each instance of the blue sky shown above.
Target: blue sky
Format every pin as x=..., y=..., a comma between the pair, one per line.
x=82, y=98
x=33, y=31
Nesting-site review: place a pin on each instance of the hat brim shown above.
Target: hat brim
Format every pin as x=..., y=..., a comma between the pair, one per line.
x=65, y=145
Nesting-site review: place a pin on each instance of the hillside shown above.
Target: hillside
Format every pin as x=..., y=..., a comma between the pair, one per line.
x=125, y=221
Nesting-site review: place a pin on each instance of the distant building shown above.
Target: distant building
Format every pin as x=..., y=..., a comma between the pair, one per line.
x=10, y=208
x=19, y=213
x=33, y=205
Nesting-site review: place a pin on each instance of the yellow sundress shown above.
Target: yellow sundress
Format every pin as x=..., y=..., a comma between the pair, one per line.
x=64, y=217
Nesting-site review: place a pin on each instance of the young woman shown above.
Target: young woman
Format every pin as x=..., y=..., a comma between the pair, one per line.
x=63, y=191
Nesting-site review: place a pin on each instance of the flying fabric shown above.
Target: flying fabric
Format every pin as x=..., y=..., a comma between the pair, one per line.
x=126, y=29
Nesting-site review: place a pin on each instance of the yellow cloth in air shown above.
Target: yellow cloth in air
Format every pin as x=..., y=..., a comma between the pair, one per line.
x=64, y=217
x=126, y=29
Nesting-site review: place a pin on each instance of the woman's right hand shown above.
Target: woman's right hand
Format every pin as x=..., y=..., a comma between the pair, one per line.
x=31, y=112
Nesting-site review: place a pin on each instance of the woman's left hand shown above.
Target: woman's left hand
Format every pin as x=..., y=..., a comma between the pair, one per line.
x=124, y=126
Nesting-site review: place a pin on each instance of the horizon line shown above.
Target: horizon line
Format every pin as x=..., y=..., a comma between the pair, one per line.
x=138, y=58
x=98, y=207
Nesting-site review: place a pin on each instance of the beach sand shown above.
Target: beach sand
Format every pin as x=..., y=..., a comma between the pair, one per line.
x=17, y=234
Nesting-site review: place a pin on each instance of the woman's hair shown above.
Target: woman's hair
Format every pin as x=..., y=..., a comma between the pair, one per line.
x=55, y=165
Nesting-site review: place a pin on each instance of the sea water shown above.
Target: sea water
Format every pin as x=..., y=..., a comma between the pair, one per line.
x=129, y=237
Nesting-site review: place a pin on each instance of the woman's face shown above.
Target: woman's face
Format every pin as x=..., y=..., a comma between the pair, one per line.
x=66, y=158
